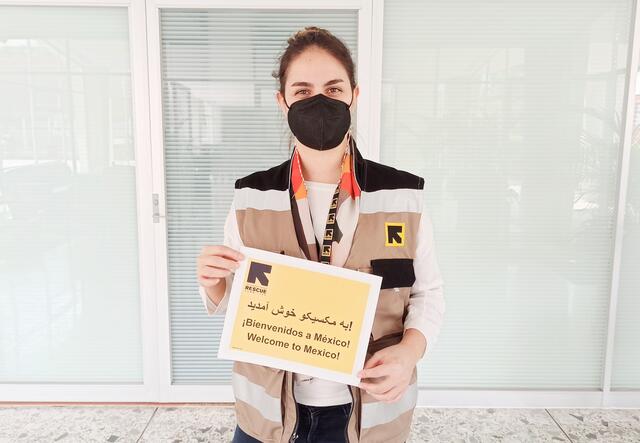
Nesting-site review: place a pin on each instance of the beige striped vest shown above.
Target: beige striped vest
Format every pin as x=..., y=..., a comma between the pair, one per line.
x=383, y=243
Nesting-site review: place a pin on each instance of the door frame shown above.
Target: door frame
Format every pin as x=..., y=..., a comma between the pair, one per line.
x=168, y=392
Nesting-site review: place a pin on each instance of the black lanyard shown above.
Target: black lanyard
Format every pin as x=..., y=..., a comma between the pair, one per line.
x=325, y=254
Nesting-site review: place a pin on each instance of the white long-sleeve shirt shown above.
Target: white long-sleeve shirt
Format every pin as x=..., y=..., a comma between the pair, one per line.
x=426, y=302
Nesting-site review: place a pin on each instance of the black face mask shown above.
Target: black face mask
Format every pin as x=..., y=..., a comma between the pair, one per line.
x=319, y=122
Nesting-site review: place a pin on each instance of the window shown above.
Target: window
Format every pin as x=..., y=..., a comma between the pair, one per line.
x=69, y=299
x=511, y=112
x=221, y=122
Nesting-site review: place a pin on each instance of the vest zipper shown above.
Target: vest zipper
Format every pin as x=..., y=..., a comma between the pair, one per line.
x=346, y=428
x=295, y=407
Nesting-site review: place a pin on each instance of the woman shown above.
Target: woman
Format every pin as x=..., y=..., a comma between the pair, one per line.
x=326, y=203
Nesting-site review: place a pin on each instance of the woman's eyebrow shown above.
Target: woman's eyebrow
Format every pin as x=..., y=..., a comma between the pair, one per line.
x=330, y=82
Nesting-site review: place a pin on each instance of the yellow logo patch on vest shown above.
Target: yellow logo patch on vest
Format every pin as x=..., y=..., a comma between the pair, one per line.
x=394, y=234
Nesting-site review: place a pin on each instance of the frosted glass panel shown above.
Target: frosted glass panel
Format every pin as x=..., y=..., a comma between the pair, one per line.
x=511, y=111
x=221, y=122
x=69, y=302
x=626, y=357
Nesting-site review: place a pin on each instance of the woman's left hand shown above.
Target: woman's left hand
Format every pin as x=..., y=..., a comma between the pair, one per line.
x=392, y=368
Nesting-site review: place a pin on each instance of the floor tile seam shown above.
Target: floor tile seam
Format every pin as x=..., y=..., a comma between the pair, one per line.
x=153, y=414
x=558, y=424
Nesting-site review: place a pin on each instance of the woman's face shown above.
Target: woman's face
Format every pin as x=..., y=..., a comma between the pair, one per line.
x=316, y=71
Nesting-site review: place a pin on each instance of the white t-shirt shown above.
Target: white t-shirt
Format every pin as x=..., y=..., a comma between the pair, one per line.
x=313, y=390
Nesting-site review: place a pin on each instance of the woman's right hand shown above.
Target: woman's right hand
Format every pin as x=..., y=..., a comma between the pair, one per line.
x=216, y=262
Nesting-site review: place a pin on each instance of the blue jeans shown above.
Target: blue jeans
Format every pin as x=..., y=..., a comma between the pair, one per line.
x=322, y=424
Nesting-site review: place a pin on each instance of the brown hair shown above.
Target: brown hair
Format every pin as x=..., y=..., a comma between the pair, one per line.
x=314, y=36
x=305, y=38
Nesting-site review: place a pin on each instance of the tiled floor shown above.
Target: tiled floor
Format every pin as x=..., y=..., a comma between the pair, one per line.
x=216, y=424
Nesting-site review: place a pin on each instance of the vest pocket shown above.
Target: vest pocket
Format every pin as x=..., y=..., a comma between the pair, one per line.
x=395, y=272
x=397, y=278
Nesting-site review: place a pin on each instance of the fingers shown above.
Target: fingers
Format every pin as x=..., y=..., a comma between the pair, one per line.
x=218, y=256
x=208, y=281
x=377, y=371
x=388, y=384
x=374, y=360
x=217, y=266
x=391, y=395
x=379, y=387
x=222, y=250
x=216, y=262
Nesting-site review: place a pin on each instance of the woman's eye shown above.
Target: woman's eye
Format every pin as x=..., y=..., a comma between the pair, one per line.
x=305, y=91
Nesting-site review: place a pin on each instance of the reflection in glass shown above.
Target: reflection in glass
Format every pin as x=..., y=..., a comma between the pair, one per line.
x=626, y=357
